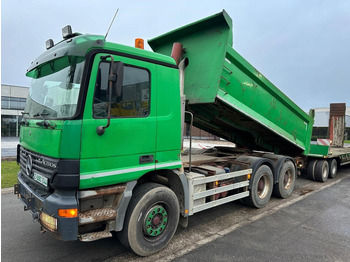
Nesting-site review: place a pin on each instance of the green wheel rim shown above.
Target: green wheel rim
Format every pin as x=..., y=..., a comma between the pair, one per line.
x=156, y=221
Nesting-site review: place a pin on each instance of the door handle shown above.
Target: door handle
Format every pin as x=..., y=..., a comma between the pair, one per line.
x=146, y=159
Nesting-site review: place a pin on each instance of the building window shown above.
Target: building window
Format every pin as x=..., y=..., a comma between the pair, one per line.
x=16, y=103
x=10, y=125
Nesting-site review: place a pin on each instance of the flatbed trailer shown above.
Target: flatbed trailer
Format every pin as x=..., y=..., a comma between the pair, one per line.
x=342, y=154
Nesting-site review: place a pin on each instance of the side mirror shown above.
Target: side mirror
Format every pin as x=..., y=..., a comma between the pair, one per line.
x=118, y=71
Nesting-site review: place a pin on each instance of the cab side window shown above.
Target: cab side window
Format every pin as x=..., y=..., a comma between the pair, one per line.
x=135, y=96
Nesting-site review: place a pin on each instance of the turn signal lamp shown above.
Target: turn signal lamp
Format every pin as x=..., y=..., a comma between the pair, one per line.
x=68, y=212
x=139, y=43
x=248, y=176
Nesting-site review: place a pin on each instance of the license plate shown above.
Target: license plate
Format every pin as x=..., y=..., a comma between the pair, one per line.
x=41, y=179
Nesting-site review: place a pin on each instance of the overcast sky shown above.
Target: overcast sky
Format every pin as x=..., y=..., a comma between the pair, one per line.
x=303, y=47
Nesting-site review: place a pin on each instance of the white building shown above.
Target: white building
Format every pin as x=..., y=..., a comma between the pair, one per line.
x=322, y=121
x=322, y=117
x=13, y=99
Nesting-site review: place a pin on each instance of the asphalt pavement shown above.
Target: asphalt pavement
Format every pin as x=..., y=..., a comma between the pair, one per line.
x=316, y=228
x=311, y=225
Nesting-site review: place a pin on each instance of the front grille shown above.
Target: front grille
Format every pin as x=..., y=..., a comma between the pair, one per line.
x=33, y=163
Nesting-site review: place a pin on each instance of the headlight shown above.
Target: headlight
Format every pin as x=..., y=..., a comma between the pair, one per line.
x=48, y=222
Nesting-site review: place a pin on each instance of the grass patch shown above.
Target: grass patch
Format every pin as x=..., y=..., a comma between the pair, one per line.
x=9, y=170
x=347, y=141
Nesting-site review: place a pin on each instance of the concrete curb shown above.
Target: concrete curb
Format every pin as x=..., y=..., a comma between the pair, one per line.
x=7, y=190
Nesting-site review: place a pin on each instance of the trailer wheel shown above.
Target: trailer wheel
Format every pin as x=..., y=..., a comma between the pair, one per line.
x=333, y=168
x=151, y=219
x=321, y=171
x=311, y=169
x=261, y=188
x=286, y=180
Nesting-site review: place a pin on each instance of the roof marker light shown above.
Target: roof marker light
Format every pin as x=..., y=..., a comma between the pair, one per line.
x=139, y=43
x=49, y=44
x=67, y=32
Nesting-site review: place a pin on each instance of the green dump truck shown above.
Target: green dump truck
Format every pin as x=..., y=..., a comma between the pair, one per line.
x=101, y=137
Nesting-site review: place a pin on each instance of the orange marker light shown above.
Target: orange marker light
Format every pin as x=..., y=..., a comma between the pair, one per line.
x=139, y=43
x=248, y=176
x=68, y=212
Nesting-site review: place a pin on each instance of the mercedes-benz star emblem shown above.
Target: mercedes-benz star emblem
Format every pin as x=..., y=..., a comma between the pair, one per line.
x=29, y=165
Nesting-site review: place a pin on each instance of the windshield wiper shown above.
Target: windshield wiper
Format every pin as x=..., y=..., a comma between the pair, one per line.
x=24, y=121
x=44, y=123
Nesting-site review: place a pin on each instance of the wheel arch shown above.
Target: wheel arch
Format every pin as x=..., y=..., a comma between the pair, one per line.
x=172, y=179
x=277, y=164
x=254, y=163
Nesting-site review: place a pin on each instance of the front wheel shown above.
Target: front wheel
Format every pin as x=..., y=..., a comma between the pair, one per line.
x=151, y=219
x=261, y=188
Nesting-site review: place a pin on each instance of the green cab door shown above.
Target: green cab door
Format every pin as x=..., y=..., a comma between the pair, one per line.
x=127, y=148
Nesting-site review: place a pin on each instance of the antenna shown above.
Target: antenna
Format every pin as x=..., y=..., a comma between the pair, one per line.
x=111, y=23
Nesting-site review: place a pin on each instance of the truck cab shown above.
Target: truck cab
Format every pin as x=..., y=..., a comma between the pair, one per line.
x=64, y=157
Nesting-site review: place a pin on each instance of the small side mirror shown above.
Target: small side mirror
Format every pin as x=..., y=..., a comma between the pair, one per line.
x=118, y=71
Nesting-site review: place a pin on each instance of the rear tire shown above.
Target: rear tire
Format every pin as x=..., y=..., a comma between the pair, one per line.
x=311, y=169
x=151, y=219
x=321, y=171
x=286, y=181
x=261, y=188
x=333, y=168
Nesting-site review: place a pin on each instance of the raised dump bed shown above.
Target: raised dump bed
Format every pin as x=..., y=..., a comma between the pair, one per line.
x=229, y=97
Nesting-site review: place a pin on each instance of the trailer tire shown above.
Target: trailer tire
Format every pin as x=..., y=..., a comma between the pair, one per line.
x=261, y=189
x=333, y=168
x=151, y=219
x=321, y=171
x=286, y=180
x=311, y=169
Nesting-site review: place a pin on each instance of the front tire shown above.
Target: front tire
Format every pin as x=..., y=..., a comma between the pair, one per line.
x=151, y=219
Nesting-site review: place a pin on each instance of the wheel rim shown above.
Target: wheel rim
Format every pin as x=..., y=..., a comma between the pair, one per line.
x=334, y=168
x=263, y=186
x=156, y=221
x=287, y=179
x=324, y=172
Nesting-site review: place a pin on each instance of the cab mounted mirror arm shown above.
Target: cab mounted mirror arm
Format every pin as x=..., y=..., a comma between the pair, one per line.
x=115, y=83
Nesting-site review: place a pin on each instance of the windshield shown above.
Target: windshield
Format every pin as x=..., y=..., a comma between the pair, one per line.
x=54, y=90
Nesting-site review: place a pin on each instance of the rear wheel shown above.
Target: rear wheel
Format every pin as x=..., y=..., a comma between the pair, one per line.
x=321, y=171
x=311, y=169
x=333, y=168
x=286, y=180
x=261, y=188
x=151, y=219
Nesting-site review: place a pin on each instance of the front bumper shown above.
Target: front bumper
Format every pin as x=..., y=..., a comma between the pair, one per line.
x=66, y=228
